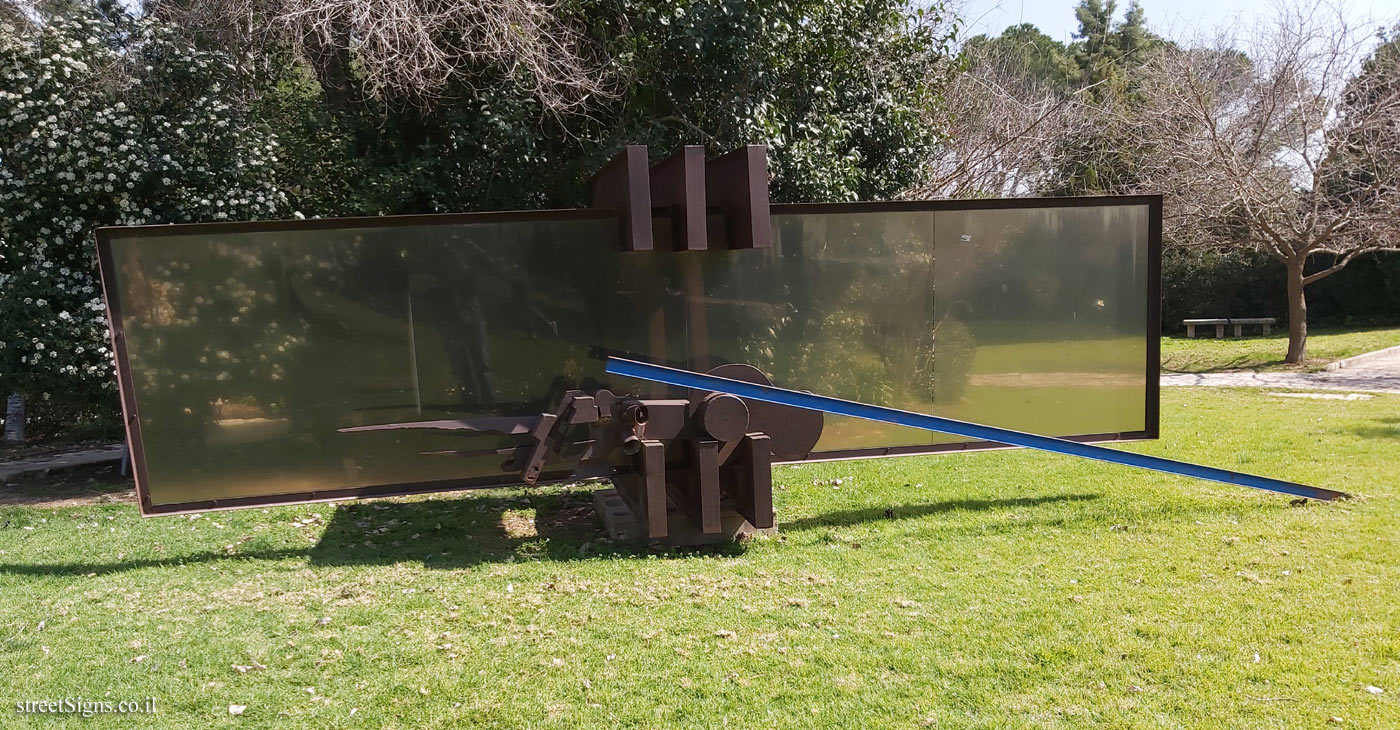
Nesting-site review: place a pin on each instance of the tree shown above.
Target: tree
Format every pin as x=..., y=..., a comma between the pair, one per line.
x=1030, y=115
x=1100, y=155
x=842, y=92
x=404, y=51
x=1364, y=153
x=1094, y=48
x=1029, y=52
x=1275, y=148
x=104, y=120
x=1005, y=116
x=1130, y=36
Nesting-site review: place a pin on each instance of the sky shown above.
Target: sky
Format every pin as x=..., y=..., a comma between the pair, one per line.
x=1177, y=19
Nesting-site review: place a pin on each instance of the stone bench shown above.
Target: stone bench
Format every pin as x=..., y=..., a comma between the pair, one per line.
x=1267, y=323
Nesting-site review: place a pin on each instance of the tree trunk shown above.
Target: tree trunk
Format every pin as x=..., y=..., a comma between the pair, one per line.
x=1297, y=314
x=14, y=417
x=332, y=66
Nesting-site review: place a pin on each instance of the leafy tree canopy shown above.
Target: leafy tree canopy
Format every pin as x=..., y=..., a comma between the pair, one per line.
x=840, y=91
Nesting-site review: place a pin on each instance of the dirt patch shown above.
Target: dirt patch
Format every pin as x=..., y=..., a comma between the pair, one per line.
x=575, y=514
x=568, y=516
x=70, y=487
x=519, y=524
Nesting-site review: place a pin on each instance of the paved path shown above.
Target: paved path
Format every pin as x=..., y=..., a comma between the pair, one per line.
x=1380, y=374
x=62, y=459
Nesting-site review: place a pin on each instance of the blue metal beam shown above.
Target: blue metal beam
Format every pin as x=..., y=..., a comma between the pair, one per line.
x=827, y=404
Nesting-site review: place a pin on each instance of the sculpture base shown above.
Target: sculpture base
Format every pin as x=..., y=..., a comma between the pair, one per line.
x=623, y=527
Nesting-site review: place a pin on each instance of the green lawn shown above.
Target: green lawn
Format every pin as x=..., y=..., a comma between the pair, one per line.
x=1202, y=354
x=1005, y=589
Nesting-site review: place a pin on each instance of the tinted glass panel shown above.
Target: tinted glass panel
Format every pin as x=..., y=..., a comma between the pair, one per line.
x=1033, y=319
x=842, y=304
x=1042, y=319
x=250, y=349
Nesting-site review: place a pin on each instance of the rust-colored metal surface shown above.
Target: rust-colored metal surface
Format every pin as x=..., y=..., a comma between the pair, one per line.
x=750, y=480
x=793, y=432
x=737, y=182
x=678, y=189
x=723, y=417
x=623, y=185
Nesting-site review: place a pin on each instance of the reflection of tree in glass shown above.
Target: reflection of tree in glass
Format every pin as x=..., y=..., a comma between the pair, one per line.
x=855, y=293
x=208, y=339
x=944, y=362
x=458, y=282
x=1067, y=270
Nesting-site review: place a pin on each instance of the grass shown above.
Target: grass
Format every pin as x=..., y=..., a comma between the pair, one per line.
x=1201, y=355
x=1070, y=355
x=990, y=590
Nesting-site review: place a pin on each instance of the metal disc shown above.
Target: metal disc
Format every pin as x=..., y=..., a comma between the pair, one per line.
x=794, y=431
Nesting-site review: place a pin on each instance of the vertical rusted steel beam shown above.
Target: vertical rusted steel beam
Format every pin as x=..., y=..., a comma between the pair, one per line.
x=737, y=183
x=695, y=486
x=623, y=184
x=645, y=490
x=678, y=186
x=751, y=480
x=652, y=461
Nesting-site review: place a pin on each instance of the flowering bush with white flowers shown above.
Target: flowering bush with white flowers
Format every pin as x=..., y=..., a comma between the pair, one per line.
x=105, y=121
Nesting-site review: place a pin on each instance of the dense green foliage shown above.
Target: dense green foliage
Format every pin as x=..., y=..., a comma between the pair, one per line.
x=1243, y=283
x=104, y=121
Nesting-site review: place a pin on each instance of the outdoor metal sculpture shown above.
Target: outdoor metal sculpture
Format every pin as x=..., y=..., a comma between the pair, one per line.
x=286, y=362
x=693, y=453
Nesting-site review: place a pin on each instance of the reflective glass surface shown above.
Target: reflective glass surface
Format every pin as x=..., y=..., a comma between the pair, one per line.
x=1041, y=321
x=251, y=349
x=1033, y=319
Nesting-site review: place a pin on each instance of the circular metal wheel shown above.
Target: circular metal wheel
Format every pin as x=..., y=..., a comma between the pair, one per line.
x=793, y=431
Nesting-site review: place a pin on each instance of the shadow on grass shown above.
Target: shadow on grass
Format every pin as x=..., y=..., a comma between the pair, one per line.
x=1185, y=365
x=447, y=534
x=1378, y=428
x=458, y=533
x=846, y=518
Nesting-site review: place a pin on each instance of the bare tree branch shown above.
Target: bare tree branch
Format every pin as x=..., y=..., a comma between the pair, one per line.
x=1263, y=142
x=409, y=51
